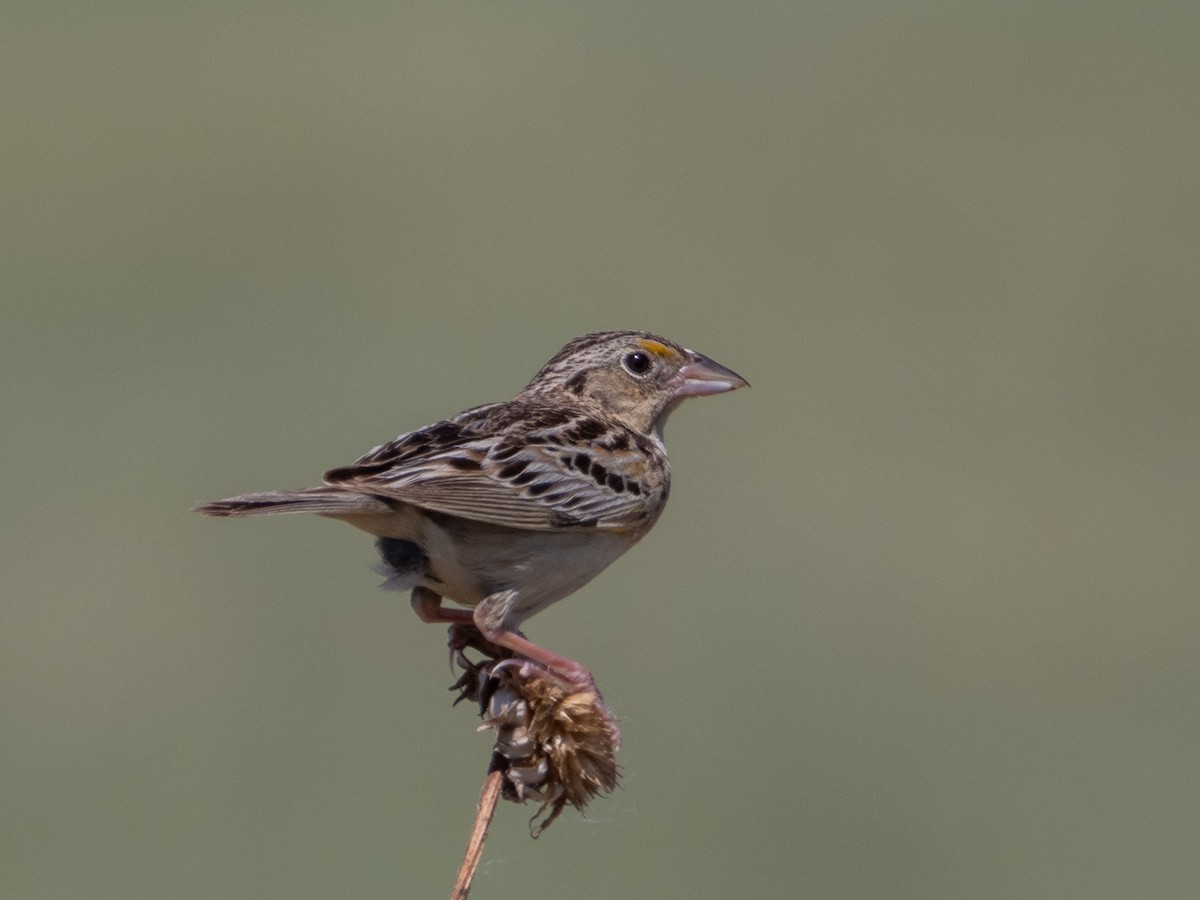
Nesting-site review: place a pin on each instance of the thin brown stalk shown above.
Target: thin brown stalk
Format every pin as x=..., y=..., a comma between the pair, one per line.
x=479, y=832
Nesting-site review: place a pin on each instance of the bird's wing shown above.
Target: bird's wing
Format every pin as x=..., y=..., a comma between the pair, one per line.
x=531, y=467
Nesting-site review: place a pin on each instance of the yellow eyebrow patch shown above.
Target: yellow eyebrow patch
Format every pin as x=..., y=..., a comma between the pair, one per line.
x=658, y=349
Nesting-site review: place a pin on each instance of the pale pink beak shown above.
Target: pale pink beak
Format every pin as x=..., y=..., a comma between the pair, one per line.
x=701, y=376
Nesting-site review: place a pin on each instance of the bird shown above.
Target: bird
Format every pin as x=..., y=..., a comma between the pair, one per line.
x=509, y=507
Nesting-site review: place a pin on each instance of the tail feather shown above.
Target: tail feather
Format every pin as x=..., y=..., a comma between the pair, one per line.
x=321, y=500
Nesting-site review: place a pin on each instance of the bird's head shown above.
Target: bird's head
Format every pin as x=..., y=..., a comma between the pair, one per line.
x=634, y=377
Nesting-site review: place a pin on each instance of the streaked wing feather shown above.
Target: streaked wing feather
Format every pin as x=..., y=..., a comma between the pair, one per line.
x=470, y=498
x=515, y=467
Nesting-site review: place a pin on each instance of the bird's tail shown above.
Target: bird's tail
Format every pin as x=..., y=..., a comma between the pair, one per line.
x=325, y=501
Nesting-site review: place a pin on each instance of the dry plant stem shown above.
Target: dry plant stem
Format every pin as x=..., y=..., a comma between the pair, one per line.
x=483, y=819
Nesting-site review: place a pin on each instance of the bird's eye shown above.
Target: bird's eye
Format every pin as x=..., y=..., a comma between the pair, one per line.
x=638, y=363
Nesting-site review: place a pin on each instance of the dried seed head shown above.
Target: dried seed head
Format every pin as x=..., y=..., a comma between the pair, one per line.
x=554, y=744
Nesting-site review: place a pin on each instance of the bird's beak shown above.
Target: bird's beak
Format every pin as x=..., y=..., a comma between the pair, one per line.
x=702, y=376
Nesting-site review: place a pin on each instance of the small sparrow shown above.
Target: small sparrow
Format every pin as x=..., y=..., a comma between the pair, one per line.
x=512, y=506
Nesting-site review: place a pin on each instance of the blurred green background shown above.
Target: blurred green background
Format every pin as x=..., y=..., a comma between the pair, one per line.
x=921, y=620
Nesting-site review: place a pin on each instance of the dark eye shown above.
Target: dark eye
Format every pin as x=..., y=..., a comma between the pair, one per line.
x=638, y=363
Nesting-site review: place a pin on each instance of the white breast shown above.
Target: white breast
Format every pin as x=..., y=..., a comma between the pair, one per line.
x=473, y=560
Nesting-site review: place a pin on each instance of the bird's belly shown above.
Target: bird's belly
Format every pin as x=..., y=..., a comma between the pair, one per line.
x=471, y=560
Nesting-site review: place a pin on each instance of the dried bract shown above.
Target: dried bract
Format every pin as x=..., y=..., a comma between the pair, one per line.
x=554, y=744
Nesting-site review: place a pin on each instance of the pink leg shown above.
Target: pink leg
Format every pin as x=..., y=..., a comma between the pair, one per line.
x=428, y=607
x=567, y=670
x=489, y=616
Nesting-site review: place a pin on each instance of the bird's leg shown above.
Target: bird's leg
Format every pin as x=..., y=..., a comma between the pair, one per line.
x=428, y=607
x=464, y=632
x=489, y=616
